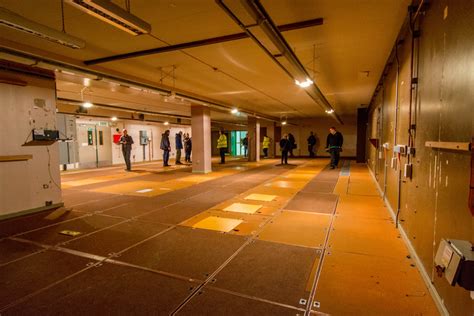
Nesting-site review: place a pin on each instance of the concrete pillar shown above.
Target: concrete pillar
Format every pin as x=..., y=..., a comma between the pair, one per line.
x=201, y=137
x=253, y=128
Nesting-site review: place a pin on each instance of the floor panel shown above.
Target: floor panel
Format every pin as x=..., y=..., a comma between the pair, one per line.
x=35, y=272
x=116, y=238
x=25, y=223
x=212, y=302
x=87, y=224
x=380, y=286
x=272, y=271
x=313, y=202
x=297, y=228
x=109, y=290
x=193, y=253
x=12, y=250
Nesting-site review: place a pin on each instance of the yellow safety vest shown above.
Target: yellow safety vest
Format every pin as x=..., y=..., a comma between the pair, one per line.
x=266, y=142
x=222, y=141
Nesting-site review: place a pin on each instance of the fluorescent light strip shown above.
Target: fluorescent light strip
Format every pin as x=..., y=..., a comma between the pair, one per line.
x=113, y=15
x=19, y=23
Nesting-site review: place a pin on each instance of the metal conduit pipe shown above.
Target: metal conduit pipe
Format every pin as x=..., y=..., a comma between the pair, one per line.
x=255, y=9
x=53, y=64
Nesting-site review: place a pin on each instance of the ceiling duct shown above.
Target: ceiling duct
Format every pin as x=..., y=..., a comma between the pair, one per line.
x=252, y=17
x=113, y=14
x=19, y=23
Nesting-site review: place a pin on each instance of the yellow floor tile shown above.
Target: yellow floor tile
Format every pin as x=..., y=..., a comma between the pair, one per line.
x=218, y=223
x=243, y=208
x=297, y=228
x=249, y=226
x=260, y=197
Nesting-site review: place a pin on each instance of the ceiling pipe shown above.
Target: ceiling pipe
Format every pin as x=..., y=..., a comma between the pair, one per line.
x=123, y=109
x=40, y=61
x=199, y=43
x=255, y=9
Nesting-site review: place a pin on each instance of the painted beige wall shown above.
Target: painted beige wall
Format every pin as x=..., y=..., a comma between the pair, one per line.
x=27, y=185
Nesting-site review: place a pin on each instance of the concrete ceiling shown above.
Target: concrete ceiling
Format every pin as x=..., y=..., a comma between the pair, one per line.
x=350, y=50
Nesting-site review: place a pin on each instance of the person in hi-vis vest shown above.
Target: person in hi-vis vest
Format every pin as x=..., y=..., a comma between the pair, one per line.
x=222, y=146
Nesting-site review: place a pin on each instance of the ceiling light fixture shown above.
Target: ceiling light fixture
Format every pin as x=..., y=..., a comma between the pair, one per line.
x=113, y=14
x=87, y=105
x=330, y=111
x=114, y=118
x=283, y=123
x=305, y=83
x=166, y=123
x=234, y=111
x=19, y=23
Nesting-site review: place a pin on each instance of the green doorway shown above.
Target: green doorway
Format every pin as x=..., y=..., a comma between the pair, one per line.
x=236, y=147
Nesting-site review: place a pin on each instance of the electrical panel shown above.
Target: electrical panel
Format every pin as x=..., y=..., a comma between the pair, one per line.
x=455, y=260
x=143, y=138
x=411, y=151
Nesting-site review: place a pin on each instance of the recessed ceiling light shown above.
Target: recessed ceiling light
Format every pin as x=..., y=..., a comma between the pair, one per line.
x=234, y=111
x=305, y=83
x=283, y=123
x=166, y=123
x=114, y=118
x=87, y=105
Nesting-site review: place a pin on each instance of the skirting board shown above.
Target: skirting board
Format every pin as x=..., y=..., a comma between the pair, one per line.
x=31, y=211
x=424, y=274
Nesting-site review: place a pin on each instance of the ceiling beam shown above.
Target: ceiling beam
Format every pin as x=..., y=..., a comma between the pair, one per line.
x=204, y=42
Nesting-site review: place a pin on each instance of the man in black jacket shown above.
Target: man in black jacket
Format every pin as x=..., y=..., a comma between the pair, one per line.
x=126, y=141
x=285, y=147
x=334, y=146
x=166, y=147
x=311, y=143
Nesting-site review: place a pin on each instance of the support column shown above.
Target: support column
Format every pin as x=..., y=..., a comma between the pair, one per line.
x=253, y=129
x=201, y=138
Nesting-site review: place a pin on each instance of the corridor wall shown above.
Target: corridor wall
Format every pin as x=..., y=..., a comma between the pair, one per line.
x=426, y=95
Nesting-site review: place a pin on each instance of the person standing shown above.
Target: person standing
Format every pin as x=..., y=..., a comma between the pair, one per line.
x=179, y=147
x=265, y=145
x=166, y=147
x=188, y=146
x=126, y=141
x=222, y=146
x=334, y=146
x=245, y=144
x=311, y=143
x=285, y=146
x=292, y=141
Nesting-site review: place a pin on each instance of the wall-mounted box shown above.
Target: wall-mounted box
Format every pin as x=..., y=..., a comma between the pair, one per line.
x=394, y=163
x=400, y=149
x=408, y=170
x=455, y=260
